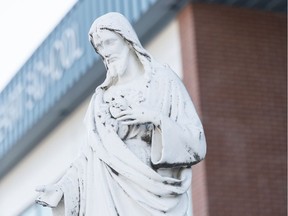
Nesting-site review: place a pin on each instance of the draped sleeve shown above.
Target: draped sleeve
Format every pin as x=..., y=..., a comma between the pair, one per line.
x=179, y=140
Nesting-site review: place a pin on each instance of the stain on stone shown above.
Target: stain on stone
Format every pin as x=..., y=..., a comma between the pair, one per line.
x=170, y=110
x=176, y=118
x=189, y=149
x=146, y=138
x=172, y=183
x=104, y=87
x=172, y=165
x=196, y=156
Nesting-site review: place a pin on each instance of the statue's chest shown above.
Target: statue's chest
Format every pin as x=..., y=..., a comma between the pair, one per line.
x=126, y=96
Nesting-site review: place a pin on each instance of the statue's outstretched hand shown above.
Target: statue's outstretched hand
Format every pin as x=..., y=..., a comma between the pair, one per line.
x=139, y=115
x=49, y=195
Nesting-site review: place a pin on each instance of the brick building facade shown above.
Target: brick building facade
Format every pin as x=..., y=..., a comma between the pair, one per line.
x=234, y=64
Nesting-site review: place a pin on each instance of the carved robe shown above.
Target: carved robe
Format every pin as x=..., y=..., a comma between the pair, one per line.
x=109, y=179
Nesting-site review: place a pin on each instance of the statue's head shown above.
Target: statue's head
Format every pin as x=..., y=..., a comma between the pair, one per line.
x=113, y=49
x=114, y=39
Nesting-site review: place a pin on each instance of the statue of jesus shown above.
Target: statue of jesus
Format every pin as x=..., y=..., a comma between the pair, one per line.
x=143, y=135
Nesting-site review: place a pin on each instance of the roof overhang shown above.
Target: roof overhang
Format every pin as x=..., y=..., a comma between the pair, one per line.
x=266, y=5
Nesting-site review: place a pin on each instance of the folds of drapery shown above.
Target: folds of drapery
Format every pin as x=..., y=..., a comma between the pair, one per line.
x=108, y=179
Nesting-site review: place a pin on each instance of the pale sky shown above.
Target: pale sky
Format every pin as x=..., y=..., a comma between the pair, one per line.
x=24, y=25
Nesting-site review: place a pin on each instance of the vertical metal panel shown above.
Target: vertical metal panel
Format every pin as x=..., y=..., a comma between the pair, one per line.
x=117, y=5
x=126, y=9
x=136, y=11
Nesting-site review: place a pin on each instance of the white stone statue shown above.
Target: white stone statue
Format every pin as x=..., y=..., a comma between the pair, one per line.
x=143, y=135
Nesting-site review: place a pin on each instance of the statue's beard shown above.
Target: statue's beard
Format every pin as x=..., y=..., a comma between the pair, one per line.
x=117, y=69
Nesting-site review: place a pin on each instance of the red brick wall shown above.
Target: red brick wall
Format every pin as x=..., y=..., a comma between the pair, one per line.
x=241, y=68
x=190, y=75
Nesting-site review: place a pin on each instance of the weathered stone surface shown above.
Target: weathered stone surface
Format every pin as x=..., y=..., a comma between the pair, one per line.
x=143, y=135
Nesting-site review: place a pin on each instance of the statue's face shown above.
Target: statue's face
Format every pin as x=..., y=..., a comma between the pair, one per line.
x=114, y=50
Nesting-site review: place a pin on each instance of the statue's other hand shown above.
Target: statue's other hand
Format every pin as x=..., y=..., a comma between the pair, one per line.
x=139, y=115
x=49, y=195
